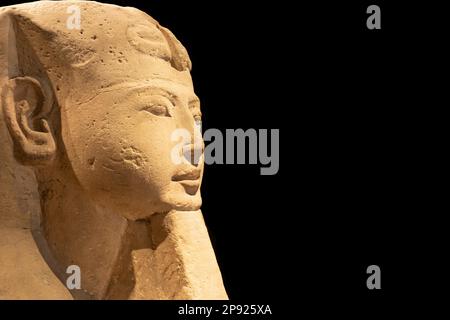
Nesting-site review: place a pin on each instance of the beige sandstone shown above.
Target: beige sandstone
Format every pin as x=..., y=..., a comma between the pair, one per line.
x=86, y=175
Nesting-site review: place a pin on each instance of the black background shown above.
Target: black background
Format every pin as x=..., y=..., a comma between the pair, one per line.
x=348, y=192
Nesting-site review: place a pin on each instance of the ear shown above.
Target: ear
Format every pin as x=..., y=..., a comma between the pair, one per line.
x=26, y=104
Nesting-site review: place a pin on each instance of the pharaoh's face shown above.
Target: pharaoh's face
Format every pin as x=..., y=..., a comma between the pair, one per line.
x=124, y=143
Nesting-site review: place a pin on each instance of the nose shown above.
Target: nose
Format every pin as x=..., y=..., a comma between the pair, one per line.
x=193, y=149
x=192, y=152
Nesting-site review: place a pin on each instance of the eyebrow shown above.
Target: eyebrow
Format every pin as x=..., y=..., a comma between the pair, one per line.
x=138, y=86
x=124, y=83
x=193, y=103
x=194, y=100
x=162, y=91
x=131, y=87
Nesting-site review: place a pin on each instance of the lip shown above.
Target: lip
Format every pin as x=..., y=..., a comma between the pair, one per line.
x=190, y=175
x=190, y=186
x=190, y=183
x=190, y=180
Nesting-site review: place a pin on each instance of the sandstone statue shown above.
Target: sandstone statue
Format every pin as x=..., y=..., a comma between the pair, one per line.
x=91, y=94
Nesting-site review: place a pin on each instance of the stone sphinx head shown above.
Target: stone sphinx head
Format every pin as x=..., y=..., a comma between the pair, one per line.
x=87, y=120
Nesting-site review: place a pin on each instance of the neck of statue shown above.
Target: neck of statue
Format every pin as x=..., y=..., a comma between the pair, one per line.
x=168, y=256
x=77, y=232
x=25, y=274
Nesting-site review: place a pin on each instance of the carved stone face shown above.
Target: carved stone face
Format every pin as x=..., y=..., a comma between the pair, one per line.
x=123, y=87
x=94, y=123
x=121, y=106
x=127, y=129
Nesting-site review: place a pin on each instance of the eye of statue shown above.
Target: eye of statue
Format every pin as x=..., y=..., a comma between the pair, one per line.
x=158, y=105
x=157, y=109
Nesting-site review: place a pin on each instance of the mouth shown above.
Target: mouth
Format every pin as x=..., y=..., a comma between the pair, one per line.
x=190, y=180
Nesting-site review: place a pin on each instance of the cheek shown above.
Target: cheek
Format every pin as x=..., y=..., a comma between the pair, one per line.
x=155, y=140
x=125, y=154
x=132, y=156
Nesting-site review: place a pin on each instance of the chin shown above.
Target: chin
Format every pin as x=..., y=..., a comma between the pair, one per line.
x=183, y=201
x=175, y=199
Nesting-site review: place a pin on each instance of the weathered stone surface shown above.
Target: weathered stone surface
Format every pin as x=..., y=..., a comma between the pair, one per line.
x=86, y=174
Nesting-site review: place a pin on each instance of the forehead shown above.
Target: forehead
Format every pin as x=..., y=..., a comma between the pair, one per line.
x=157, y=86
x=138, y=72
x=144, y=70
